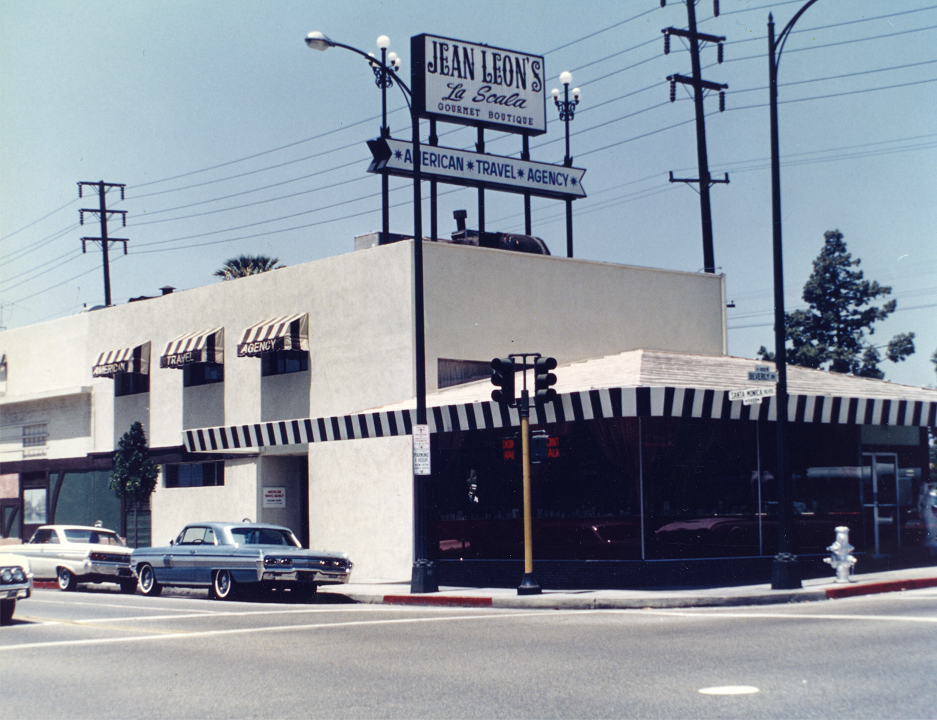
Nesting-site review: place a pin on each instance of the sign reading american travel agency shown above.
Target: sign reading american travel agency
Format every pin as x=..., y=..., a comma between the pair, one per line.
x=459, y=167
x=480, y=85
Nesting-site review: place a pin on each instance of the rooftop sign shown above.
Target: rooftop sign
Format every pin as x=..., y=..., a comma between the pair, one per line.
x=459, y=167
x=470, y=84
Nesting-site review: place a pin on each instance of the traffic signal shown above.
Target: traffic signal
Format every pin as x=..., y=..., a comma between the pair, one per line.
x=543, y=379
x=502, y=376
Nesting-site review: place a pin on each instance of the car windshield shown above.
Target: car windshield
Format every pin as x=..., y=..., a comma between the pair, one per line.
x=94, y=537
x=263, y=536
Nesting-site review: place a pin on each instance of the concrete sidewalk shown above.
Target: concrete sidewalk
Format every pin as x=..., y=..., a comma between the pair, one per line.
x=813, y=590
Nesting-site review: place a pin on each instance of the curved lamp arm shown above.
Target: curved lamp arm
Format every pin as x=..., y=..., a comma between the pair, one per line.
x=782, y=37
x=319, y=41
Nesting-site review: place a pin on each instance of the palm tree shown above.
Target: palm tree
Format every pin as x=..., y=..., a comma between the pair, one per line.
x=244, y=265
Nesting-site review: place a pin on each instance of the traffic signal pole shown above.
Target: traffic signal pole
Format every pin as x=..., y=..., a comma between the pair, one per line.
x=528, y=585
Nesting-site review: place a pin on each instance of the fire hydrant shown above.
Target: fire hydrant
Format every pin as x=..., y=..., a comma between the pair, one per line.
x=840, y=559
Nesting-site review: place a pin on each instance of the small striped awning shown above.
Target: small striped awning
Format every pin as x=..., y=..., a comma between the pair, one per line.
x=198, y=347
x=129, y=358
x=282, y=333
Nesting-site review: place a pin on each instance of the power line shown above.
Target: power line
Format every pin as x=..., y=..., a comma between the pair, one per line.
x=9, y=235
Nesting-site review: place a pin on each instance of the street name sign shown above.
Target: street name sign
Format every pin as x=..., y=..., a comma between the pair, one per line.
x=460, y=167
x=421, y=450
x=752, y=396
x=762, y=373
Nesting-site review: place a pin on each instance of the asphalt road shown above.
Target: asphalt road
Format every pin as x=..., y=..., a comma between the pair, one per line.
x=106, y=655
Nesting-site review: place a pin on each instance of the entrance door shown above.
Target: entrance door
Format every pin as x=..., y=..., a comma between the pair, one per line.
x=880, y=502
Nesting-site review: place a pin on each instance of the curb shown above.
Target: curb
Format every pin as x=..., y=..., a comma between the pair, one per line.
x=880, y=587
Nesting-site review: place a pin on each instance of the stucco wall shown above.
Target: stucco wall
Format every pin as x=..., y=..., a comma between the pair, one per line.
x=289, y=473
x=483, y=303
x=361, y=502
x=173, y=508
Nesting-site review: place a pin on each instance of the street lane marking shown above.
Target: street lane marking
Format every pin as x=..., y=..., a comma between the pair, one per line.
x=245, y=613
x=782, y=616
x=72, y=603
x=730, y=690
x=282, y=628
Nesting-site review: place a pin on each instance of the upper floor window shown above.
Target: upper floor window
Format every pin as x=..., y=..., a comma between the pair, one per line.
x=194, y=475
x=202, y=373
x=130, y=383
x=35, y=435
x=281, y=362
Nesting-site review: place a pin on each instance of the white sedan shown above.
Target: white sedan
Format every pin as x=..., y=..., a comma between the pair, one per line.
x=16, y=583
x=74, y=554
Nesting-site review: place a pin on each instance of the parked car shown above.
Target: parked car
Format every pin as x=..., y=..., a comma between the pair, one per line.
x=226, y=557
x=74, y=554
x=16, y=583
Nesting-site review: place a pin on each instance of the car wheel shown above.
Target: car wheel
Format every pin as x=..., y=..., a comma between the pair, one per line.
x=128, y=587
x=148, y=584
x=66, y=580
x=223, y=586
x=7, y=606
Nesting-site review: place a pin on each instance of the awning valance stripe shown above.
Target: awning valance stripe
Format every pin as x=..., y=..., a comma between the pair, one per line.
x=128, y=358
x=569, y=407
x=206, y=347
x=290, y=332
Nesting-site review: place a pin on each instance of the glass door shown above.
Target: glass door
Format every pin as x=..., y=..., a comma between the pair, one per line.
x=880, y=502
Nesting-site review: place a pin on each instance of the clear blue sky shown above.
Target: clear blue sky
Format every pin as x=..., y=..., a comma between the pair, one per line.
x=233, y=137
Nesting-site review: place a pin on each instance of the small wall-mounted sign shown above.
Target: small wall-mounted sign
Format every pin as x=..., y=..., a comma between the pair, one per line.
x=274, y=497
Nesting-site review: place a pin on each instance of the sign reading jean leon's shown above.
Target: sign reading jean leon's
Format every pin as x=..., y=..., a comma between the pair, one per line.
x=471, y=84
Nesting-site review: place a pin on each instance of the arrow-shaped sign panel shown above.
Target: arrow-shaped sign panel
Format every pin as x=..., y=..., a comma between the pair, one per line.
x=459, y=167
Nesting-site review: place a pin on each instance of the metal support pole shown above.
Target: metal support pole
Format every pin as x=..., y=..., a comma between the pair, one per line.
x=525, y=155
x=480, y=148
x=433, y=227
x=423, y=578
x=385, y=133
x=785, y=571
x=529, y=585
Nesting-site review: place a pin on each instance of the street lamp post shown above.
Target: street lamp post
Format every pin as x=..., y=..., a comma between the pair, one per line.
x=423, y=578
x=384, y=80
x=567, y=110
x=785, y=571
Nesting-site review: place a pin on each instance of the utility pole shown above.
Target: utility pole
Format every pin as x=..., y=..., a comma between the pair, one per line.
x=103, y=214
x=699, y=85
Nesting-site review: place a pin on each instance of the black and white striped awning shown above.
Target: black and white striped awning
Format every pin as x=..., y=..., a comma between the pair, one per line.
x=569, y=407
x=129, y=358
x=283, y=333
x=198, y=347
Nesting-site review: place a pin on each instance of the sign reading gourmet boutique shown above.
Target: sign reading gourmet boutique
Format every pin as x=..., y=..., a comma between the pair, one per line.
x=480, y=85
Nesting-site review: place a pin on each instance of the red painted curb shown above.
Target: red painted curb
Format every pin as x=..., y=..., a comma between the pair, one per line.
x=442, y=601
x=880, y=587
x=45, y=584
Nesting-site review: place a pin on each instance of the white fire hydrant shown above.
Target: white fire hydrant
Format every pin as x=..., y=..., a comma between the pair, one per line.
x=840, y=559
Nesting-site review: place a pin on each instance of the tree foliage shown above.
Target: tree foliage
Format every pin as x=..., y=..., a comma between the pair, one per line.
x=244, y=265
x=832, y=333
x=134, y=477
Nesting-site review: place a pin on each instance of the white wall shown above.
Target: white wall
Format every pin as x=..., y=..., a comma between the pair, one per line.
x=173, y=508
x=483, y=303
x=361, y=502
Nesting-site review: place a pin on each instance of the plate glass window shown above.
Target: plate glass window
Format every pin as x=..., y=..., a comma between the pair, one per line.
x=194, y=475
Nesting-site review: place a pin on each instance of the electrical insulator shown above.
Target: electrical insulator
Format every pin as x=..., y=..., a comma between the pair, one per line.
x=722, y=101
x=666, y=43
x=663, y=3
x=719, y=54
x=673, y=90
x=716, y=8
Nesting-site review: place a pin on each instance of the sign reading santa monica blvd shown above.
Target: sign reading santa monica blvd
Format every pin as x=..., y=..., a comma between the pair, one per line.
x=752, y=396
x=471, y=84
x=459, y=167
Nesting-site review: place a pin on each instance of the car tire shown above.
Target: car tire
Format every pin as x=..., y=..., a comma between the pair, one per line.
x=222, y=586
x=66, y=578
x=128, y=587
x=148, y=584
x=7, y=607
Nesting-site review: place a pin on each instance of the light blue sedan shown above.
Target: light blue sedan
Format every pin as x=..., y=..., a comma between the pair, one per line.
x=228, y=557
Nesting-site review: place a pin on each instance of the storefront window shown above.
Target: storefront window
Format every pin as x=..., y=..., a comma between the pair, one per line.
x=281, y=362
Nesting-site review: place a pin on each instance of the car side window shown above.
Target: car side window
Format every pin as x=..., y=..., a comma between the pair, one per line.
x=209, y=538
x=193, y=536
x=45, y=536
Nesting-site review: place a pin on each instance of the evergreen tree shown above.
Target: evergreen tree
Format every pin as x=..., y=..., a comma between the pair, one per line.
x=832, y=332
x=134, y=477
x=244, y=265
